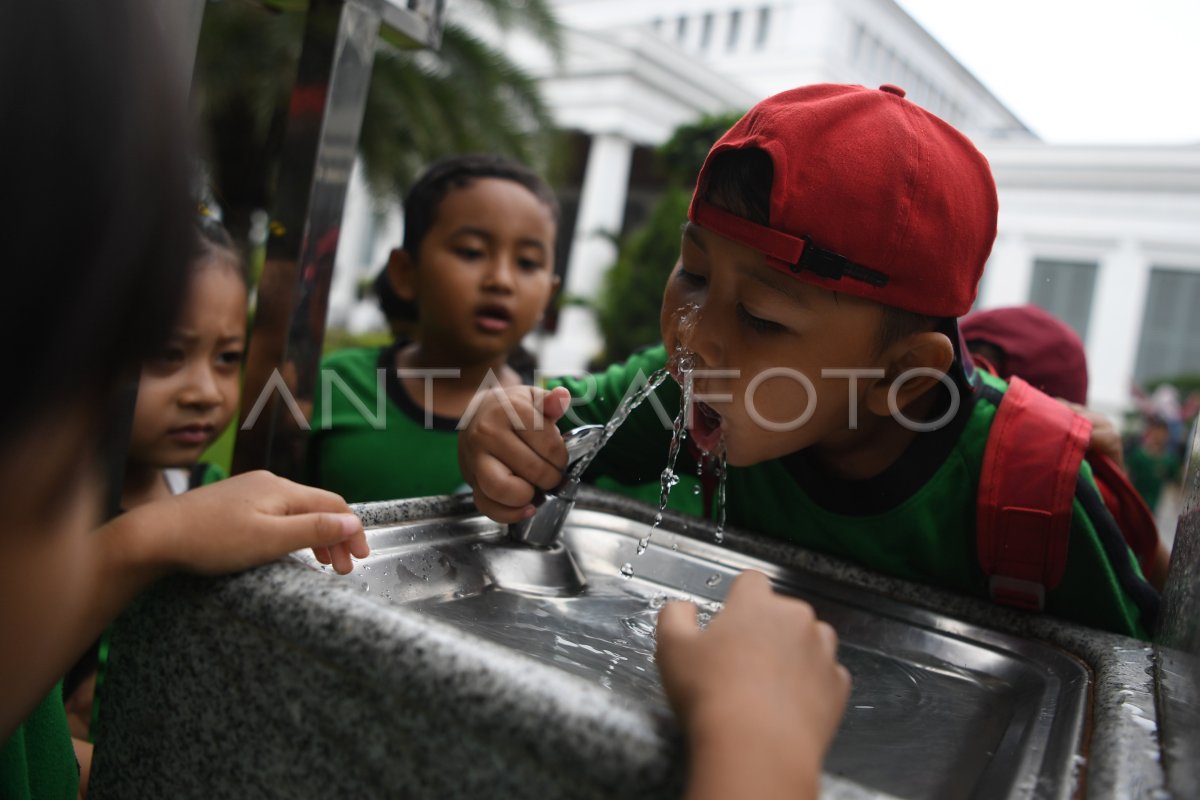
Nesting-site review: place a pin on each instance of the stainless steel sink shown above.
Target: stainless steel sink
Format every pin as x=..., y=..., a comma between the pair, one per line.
x=940, y=708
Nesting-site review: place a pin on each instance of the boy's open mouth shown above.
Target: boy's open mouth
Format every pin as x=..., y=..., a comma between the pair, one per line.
x=493, y=318
x=705, y=427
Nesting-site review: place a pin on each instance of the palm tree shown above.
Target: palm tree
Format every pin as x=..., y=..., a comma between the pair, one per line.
x=468, y=96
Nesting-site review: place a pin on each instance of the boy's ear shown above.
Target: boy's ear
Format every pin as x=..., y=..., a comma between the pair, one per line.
x=402, y=274
x=555, y=285
x=928, y=351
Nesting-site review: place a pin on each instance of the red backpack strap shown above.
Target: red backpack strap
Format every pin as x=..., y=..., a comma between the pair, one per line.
x=1026, y=494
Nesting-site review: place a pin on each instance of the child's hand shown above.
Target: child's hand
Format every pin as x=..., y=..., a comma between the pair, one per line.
x=759, y=691
x=1106, y=439
x=251, y=519
x=510, y=448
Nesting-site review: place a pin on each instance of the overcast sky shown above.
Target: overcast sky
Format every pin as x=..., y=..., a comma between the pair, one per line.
x=1112, y=71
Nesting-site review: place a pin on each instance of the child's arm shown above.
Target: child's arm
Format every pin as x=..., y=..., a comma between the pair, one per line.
x=226, y=527
x=759, y=692
x=510, y=447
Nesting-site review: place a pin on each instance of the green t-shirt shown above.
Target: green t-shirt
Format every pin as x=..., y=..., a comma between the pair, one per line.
x=367, y=448
x=370, y=440
x=38, y=760
x=916, y=520
x=1149, y=473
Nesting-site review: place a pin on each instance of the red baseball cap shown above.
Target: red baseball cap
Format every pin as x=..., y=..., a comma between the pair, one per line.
x=1036, y=346
x=872, y=196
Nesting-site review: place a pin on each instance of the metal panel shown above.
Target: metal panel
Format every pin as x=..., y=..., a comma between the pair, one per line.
x=1179, y=643
x=324, y=119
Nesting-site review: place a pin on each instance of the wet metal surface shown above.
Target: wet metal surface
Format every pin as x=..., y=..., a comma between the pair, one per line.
x=939, y=708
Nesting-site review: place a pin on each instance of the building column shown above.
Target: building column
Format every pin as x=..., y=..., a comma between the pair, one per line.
x=593, y=252
x=1112, y=348
x=1008, y=274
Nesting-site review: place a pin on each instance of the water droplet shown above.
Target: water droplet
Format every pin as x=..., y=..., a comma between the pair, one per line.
x=367, y=567
x=713, y=580
x=627, y=570
x=696, y=490
x=366, y=587
x=674, y=545
x=719, y=536
x=643, y=543
x=658, y=601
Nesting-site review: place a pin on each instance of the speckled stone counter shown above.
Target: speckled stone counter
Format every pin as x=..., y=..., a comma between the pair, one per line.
x=288, y=682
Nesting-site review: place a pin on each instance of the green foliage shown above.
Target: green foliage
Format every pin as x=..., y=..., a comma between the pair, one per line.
x=1186, y=383
x=683, y=154
x=338, y=339
x=421, y=106
x=470, y=98
x=628, y=307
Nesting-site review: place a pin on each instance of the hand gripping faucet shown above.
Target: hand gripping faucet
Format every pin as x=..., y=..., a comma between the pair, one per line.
x=545, y=526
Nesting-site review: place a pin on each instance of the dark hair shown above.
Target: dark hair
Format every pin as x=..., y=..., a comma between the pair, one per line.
x=739, y=181
x=98, y=215
x=426, y=195
x=214, y=242
x=393, y=306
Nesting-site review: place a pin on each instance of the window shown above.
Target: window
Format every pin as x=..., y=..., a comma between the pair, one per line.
x=856, y=47
x=1065, y=288
x=735, y=25
x=764, y=22
x=706, y=31
x=1170, y=343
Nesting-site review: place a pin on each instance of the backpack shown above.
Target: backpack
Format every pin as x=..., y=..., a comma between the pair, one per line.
x=1027, y=491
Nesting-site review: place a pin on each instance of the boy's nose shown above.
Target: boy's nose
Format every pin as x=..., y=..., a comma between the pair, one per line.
x=698, y=331
x=201, y=388
x=499, y=275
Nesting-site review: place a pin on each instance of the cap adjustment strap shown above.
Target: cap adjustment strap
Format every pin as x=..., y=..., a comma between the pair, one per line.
x=793, y=253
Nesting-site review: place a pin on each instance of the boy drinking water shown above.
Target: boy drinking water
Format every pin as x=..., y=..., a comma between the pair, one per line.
x=835, y=234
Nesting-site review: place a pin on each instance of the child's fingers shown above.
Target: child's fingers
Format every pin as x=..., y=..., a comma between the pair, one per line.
x=303, y=499
x=497, y=481
x=500, y=512
x=357, y=545
x=828, y=639
x=749, y=584
x=676, y=621
x=300, y=531
x=322, y=555
x=555, y=403
x=342, y=563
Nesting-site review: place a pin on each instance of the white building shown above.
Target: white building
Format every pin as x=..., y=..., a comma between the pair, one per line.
x=1108, y=238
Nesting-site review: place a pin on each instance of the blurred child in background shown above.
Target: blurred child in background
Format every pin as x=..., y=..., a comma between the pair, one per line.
x=188, y=392
x=477, y=264
x=187, y=395
x=98, y=226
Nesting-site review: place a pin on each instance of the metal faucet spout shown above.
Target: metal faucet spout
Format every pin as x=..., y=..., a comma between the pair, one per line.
x=545, y=526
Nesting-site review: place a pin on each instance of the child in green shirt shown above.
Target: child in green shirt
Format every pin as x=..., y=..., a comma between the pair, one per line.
x=835, y=235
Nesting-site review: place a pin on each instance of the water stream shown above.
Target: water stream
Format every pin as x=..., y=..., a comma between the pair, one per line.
x=682, y=365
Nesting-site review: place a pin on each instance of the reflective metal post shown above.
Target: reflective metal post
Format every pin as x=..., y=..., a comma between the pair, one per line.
x=323, y=125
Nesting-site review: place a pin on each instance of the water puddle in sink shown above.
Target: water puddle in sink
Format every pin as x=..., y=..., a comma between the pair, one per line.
x=605, y=635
